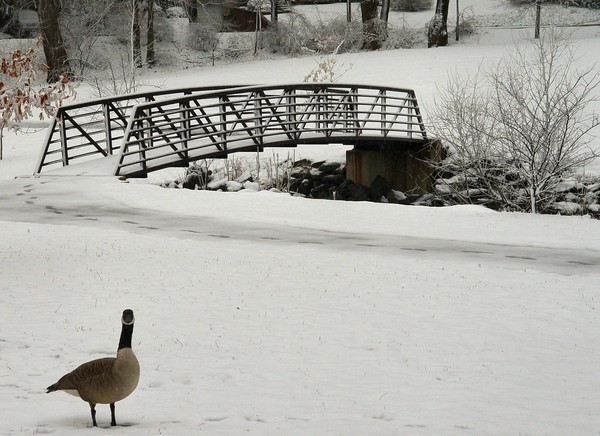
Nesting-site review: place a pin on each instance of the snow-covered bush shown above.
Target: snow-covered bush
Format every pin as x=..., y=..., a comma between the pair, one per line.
x=411, y=5
x=523, y=126
x=404, y=37
x=233, y=45
x=202, y=37
x=176, y=12
x=467, y=23
x=591, y=4
x=327, y=70
x=299, y=36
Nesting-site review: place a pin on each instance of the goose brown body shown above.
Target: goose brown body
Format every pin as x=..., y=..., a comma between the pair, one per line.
x=106, y=380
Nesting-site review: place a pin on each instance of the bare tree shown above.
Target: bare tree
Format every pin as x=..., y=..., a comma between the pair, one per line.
x=136, y=45
x=54, y=47
x=516, y=130
x=150, y=52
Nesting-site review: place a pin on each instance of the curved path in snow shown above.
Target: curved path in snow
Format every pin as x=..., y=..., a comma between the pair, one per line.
x=97, y=202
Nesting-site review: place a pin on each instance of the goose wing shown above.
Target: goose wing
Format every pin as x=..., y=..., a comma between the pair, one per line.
x=84, y=376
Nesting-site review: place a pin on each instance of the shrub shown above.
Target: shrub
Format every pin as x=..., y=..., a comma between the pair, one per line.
x=404, y=37
x=201, y=37
x=411, y=5
x=525, y=120
x=299, y=36
x=591, y=4
x=467, y=24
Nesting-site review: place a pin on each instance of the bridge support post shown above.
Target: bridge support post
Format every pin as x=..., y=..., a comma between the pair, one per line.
x=408, y=168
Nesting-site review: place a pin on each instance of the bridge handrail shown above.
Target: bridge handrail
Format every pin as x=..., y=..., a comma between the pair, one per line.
x=161, y=132
x=96, y=127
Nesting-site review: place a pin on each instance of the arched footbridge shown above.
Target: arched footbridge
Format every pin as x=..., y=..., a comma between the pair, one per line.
x=150, y=131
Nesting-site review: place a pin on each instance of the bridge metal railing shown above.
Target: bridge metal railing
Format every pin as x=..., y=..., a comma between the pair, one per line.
x=175, y=131
x=93, y=129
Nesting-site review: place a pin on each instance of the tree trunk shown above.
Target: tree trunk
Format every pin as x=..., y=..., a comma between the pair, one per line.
x=136, y=34
x=371, y=40
x=274, y=15
x=384, y=17
x=192, y=10
x=438, y=26
x=54, y=48
x=150, y=54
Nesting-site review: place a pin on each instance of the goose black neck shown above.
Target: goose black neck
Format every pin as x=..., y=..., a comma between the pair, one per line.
x=126, y=334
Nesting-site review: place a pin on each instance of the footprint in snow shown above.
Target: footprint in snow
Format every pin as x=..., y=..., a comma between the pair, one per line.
x=521, y=257
x=53, y=210
x=382, y=417
x=217, y=418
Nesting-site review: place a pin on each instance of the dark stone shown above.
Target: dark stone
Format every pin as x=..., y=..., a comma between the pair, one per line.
x=330, y=167
x=333, y=179
x=191, y=181
x=298, y=172
x=302, y=163
x=380, y=186
x=351, y=191
x=304, y=188
x=397, y=197
x=320, y=192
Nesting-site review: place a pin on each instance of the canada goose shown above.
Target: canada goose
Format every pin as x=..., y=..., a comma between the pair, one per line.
x=107, y=380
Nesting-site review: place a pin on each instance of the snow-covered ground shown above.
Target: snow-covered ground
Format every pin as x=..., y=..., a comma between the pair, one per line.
x=261, y=313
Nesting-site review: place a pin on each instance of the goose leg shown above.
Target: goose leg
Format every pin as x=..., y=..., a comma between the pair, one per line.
x=113, y=422
x=93, y=410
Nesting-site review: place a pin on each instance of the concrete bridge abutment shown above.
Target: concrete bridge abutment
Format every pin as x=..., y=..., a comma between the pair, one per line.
x=408, y=168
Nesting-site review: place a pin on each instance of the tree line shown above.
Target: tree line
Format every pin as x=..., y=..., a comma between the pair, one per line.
x=53, y=23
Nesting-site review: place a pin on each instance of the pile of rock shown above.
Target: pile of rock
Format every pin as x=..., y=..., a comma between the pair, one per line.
x=316, y=179
x=327, y=180
x=575, y=197
x=570, y=196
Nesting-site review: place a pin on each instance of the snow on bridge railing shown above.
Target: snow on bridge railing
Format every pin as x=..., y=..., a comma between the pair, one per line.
x=209, y=125
x=94, y=129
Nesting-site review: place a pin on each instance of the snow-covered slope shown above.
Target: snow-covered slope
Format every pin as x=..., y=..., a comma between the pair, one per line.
x=260, y=313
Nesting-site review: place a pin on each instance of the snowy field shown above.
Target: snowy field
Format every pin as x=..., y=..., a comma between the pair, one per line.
x=260, y=313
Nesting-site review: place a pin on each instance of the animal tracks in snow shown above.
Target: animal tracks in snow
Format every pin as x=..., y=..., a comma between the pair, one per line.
x=81, y=206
